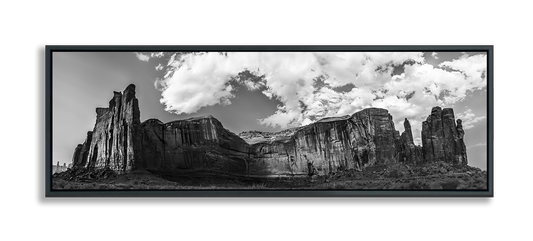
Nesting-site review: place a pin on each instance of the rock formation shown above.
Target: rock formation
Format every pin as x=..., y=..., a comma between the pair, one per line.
x=120, y=142
x=82, y=152
x=114, y=142
x=58, y=168
x=195, y=143
x=274, y=156
x=408, y=151
x=366, y=138
x=442, y=138
x=375, y=136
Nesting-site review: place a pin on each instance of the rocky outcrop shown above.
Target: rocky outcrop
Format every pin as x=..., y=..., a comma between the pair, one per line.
x=374, y=136
x=81, y=152
x=367, y=138
x=196, y=143
x=364, y=139
x=442, y=138
x=121, y=143
x=275, y=157
x=272, y=153
x=408, y=152
x=114, y=142
x=58, y=168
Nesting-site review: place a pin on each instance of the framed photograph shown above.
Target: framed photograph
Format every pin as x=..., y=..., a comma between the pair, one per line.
x=269, y=121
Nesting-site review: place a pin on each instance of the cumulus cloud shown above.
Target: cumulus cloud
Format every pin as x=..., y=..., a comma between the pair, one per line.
x=207, y=79
x=142, y=57
x=197, y=84
x=469, y=118
x=307, y=83
x=435, y=55
x=157, y=54
x=473, y=67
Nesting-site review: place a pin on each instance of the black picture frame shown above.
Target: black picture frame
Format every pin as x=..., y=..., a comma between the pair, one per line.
x=489, y=48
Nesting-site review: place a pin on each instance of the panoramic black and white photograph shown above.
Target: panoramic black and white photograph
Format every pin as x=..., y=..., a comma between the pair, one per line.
x=269, y=120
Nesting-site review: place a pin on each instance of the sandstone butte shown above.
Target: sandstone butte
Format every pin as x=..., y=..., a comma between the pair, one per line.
x=120, y=142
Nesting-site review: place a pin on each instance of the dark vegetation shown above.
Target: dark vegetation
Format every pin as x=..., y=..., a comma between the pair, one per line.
x=396, y=177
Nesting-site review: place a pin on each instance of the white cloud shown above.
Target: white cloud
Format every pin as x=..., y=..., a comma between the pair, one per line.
x=435, y=55
x=477, y=145
x=267, y=94
x=469, y=118
x=201, y=80
x=142, y=57
x=361, y=69
x=251, y=85
x=157, y=54
x=473, y=67
x=196, y=85
x=206, y=79
x=284, y=117
x=159, y=67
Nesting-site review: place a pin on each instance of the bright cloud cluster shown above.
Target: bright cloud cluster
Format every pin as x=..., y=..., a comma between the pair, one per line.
x=469, y=118
x=307, y=83
x=142, y=57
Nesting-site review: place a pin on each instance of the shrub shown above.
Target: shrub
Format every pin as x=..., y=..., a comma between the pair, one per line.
x=451, y=184
x=414, y=185
x=395, y=174
x=61, y=185
x=341, y=186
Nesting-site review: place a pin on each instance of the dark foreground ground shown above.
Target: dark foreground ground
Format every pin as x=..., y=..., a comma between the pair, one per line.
x=400, y=176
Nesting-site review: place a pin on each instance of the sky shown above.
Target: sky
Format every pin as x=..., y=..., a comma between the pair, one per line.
x=270, y=91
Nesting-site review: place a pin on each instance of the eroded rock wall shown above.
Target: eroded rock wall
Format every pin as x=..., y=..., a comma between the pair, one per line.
x=196, y=143
x=443, y=137
x=114, y=142
x=367, y=138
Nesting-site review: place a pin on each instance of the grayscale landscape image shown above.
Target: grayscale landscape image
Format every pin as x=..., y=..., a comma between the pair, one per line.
x=269, y=120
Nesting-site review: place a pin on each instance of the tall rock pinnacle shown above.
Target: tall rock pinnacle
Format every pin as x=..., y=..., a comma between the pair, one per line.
x=442, y=139
x=409, y=152
x=114, y=142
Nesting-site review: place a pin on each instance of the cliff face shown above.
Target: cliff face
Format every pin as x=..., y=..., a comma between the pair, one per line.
x=364, y=139
x=375, y=136
x=121, y=143
x=81, y=153
x=196, y=143
x=114, y=142
x=442, y=138
x=274, y=157
x=367, y=138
